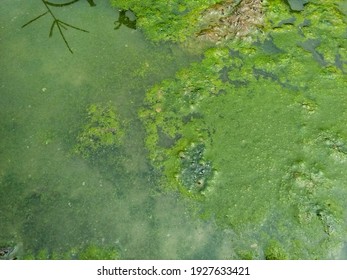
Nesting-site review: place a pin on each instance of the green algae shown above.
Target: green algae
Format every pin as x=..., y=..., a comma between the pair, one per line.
x=102, y=133
x=54, y=199
x=270, y=115
x=253, y=137
x=194, y=23
x=161, y=20
x=274, y=251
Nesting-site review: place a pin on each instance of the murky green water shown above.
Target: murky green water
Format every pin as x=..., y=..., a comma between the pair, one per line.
x=75, y=179
x=52, y=199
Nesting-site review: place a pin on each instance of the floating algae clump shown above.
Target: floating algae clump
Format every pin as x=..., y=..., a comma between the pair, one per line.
x=270, y=116
x=102, y=133
x=274, y=251
x=93, y=252
x=172, y=113
x=166, y=20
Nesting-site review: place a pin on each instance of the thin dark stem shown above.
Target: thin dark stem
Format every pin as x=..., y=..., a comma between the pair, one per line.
x=60, y=5
x=48, y=9
x=77, y=28
x=52, y=27
x=62, y=25
x=62, y=35
x=56, y=22
x=34, y=19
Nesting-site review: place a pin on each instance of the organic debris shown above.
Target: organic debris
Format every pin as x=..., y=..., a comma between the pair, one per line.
x=228, y=20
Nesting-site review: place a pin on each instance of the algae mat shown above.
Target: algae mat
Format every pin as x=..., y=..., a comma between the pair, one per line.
x=256, y=134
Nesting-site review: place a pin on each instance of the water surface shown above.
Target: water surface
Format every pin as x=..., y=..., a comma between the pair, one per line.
x=52, y=199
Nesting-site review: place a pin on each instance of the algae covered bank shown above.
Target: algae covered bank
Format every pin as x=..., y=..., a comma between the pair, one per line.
x=174, y=130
